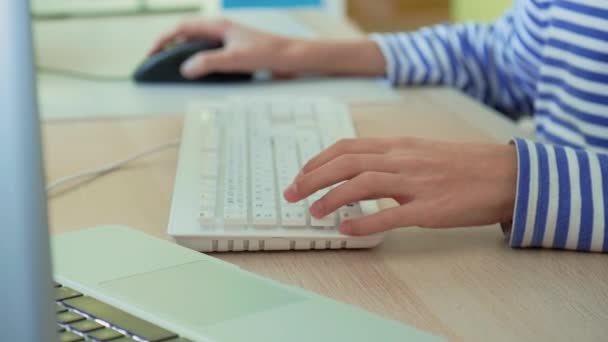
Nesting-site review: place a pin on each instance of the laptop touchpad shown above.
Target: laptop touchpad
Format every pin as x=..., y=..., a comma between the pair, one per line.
x=200, y=293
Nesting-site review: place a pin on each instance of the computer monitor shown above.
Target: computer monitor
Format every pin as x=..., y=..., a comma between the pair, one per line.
x=25, y=284
x=271, y=3
x=333, y=7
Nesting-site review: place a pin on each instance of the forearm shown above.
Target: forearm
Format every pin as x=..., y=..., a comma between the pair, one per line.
x=360, y=57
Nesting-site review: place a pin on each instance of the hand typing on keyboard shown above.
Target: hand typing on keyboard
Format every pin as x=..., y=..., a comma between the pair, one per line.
x=436, y=184
x=240, y=154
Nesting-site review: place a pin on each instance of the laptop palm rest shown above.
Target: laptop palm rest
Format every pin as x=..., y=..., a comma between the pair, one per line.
x=203, y=298
x=198, y=294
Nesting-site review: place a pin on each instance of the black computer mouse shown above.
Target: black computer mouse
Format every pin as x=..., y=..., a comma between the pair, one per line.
x=164, y=66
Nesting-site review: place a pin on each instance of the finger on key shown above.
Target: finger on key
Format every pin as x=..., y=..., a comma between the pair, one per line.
x=346, y=146
x=344, y=167
x=368, y=185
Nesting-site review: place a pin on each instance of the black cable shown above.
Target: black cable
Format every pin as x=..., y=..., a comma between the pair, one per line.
x=83, y=75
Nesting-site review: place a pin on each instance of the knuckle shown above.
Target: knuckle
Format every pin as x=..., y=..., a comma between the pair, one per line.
x=400, y=142
x=348, y=161
x=415, y=163
x=369, y=178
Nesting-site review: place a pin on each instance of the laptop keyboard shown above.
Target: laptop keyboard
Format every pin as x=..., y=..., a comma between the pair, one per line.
x=83, y=318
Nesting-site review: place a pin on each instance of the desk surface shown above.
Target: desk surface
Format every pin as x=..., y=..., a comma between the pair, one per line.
x=115, y=47
x=465, y=284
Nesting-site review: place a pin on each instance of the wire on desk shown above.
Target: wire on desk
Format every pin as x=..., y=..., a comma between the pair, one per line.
x=142, y=7
x=83, y=75
x=112, y=166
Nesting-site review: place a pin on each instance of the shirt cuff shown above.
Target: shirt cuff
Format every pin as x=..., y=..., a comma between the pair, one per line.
x=555, y=204
x=390, y=57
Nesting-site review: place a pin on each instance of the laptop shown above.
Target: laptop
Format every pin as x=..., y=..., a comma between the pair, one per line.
x=118, y=284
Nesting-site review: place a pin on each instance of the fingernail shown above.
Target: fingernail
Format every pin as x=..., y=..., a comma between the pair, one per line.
x=188, y=69
x=291, y=193
x=316, y=210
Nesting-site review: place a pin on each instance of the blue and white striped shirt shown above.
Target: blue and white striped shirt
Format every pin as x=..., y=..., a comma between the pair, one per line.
x=549, y=58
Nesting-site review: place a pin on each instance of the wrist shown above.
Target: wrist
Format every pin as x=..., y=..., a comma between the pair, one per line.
x=288, y=54
x=508, y=174
x=356, y=57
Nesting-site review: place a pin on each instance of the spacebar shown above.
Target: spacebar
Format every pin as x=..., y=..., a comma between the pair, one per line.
x=119, y=319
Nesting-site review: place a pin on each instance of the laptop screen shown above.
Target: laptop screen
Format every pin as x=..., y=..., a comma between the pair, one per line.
x=25, y=289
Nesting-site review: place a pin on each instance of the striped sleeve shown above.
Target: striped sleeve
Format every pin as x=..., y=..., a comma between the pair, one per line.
x=562, y=194
x=476, y=58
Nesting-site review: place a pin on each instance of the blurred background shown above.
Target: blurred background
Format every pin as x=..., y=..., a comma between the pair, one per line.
x=370, y=15
x=82, y=44
x=394, y=15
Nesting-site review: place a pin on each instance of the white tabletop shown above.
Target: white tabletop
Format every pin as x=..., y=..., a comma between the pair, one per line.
x=115, y=46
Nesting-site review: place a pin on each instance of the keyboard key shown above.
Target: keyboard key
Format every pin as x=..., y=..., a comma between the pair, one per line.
x=210, y=139
x=86, y=326
x=60, y=308
x=293, y=215
x=69, y=317
x=326, y=222
x=263, y=191
x=235, y=175
x=250, y=151
x=350, y=211
x=308, y=144
x=63, y=293
x=56, y=284
x=207, y=216
x=285, y=148
x=105, y=334
x=179, y=339
x=67, y=336
x=210, y=165
x=119, y=318
x=280, y=111
x=126, y=339
x=235, y=217
x=264, y=216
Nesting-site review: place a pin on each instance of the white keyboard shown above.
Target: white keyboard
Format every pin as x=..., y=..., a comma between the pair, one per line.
x=235, y=160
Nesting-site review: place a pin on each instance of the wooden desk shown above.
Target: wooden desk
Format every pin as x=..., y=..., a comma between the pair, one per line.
x=465, y=284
